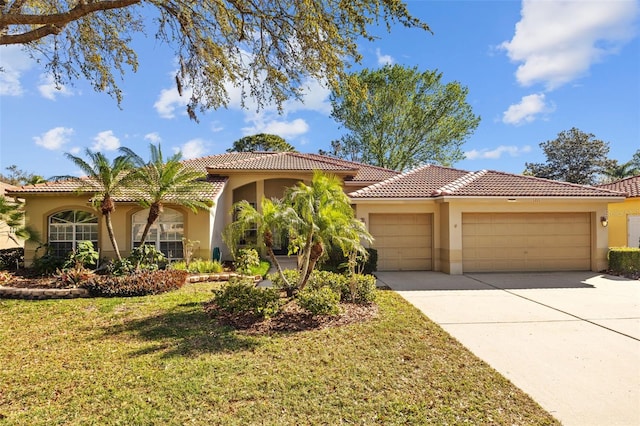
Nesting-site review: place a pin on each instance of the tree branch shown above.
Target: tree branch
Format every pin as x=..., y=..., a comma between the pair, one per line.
x=54, y=23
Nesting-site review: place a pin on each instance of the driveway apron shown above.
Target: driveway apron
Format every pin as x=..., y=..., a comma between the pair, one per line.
x=570, y=340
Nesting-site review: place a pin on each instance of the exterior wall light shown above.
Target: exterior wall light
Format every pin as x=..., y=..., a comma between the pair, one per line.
x=603, y=221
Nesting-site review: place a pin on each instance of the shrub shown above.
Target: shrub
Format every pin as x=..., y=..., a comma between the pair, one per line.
x=246, y=259
x=47, y=264
x=140, y=283
x=12, y=259
x=319, y=301
x=336, y=261
x=624, y=260
x=73, y=277
x=147, y=257
x=242, y=297
x=365, y=288
x=84, y=256
x=292, y=277
x=336, y=282
x=198, y=266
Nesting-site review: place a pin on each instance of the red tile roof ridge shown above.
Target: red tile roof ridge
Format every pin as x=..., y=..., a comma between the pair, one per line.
x=629, y=185
x=260, y=154
x=391, y=179
x=561, y=182
x=336, y=160
x=461, y=182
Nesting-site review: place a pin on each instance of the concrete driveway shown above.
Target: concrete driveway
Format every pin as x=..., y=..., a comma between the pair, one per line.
x=570, y=340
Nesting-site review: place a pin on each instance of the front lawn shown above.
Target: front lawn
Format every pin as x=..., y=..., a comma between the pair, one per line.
x=161, y=360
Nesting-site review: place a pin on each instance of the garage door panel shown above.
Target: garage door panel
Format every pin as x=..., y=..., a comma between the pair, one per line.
x=526, y=241
x=403, y=241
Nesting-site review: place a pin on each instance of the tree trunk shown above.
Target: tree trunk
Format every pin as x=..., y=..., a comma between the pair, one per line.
x=268, y=239
x=114, y=243
x=154, y=214
x=305, y=262
x=316, y=252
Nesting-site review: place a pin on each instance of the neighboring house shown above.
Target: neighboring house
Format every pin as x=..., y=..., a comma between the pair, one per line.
x=624, y=218
x=7, y=237
x=431, y=218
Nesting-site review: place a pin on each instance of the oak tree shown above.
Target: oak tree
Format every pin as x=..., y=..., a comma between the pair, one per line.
x=574, y=156
x=261, y=142
x=405, y=118
x=268, y=48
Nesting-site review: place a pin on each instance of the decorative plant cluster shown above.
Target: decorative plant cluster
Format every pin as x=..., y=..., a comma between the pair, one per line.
x=241, y=296
x=198, y=266
x=139, y=283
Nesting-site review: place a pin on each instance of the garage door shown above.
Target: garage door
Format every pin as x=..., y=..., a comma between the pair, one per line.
x=526, y=242
x=403, y=241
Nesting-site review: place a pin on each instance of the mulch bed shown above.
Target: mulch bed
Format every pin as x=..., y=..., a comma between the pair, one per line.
x=292, y=318
x=24, y=278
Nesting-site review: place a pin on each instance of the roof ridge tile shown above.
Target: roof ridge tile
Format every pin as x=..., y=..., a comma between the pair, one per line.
x=461, y=182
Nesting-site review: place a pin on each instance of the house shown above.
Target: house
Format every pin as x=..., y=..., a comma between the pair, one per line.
x=624, y=218
x=430, y=218
x=7, y=237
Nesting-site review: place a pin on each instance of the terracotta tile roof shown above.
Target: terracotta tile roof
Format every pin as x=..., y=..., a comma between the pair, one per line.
x=5, y=187
x=290, y=161
x=435, y=181
x=630, y=186
x=129, y=194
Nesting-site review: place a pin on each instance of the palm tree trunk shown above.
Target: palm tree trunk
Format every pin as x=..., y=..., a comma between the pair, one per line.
x=154, y=214
x=114, y=243
x=306, y=259
x=314, y=255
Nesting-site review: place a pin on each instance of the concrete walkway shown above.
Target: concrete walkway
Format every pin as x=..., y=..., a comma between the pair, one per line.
x=570, y=340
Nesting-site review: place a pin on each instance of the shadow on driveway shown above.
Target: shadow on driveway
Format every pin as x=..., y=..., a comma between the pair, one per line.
x=438, y=281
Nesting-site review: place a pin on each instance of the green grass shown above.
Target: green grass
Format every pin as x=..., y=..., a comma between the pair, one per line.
x=261, y=269
x=160, y=360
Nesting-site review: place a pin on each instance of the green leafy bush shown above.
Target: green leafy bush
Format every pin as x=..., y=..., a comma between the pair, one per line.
x=147, y=257
x=336, y=261
x=140, y=283
x=624, y=260
x=365, y=289
x=278, y=283
x=84, y=256
x=336, y=282
x=47, y=264
x=242, y=297
x=319, y=301
x=198, y=266
x=11, y=259
x=246, y=259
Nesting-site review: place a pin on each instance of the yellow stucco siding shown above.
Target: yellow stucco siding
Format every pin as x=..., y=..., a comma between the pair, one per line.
x=40, y=208
x=618, y=218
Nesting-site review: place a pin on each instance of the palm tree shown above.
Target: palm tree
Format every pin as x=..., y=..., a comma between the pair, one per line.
x=325, y=219
x=273, y=217
x=620, y=171
x=169, y=181
x=12, y=215
x=315, y=217
x=106, y=180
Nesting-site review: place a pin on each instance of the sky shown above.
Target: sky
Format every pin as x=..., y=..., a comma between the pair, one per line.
x=533, y=68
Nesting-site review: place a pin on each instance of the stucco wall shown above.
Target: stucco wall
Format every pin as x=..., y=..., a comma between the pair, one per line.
x=39, y=208
x=448, y=212
x=618, y=214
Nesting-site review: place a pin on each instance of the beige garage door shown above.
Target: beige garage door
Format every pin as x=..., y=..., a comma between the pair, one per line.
x=526, y=242
x=403, y=241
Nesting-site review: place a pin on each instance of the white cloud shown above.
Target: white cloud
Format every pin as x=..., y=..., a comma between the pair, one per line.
x=14, y=63
x=384, y=59
x=153, y=137
x=192, y=149
x=527, y=110
x=556, y=42
x=49, y=89
x=105, y=141
x=284, y=129
x=495, y=154
x=169, y=100
x=54, y=139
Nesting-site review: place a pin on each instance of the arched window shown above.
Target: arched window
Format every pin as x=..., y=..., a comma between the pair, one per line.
x=68, y=228
x=166, y=234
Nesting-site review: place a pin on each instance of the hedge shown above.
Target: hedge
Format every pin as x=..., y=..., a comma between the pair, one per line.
x=624, y=260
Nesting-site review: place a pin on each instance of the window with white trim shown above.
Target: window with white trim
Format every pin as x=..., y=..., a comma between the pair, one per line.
x=165, y=234
x=68, y=228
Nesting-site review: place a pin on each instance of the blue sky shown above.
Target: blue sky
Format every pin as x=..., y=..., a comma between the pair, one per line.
x=533, y=69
